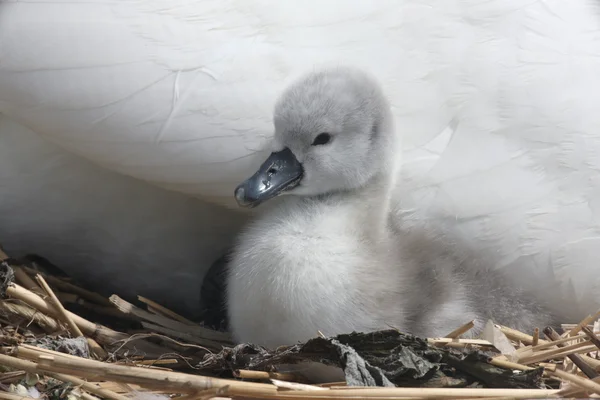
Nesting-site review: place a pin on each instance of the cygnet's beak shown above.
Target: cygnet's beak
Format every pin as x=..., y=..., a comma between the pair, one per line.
x=279, y=173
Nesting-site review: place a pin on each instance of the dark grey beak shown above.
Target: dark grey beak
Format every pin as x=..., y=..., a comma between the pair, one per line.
x=280, y=172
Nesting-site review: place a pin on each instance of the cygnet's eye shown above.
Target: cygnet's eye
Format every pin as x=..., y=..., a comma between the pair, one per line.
x=322, y=138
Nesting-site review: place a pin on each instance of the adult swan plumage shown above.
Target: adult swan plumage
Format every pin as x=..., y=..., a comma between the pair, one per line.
x=496, y=103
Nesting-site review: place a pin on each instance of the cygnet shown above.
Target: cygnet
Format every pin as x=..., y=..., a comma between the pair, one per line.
x=327, y=258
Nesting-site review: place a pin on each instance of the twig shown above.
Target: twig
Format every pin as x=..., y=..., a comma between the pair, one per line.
x=164, y=361
x=128, y=308
x=463, y=342
x=461, y=330
x=536, y=337
x=575, y=391
x=562, y=351
x=208, y=394
x=48, y=324
x=30, y=352
x=518, y=336
x=110, y=311
x=13, y=396
x=11, y=377
x=25, y=279
x=584, y=322
x=594, y=363
x=58, y=307
x=205, y=343
x=32, y=367
x=577, y=380
x=165, y=311
x=295, y=386
x=60, y=310
x=100, y=333
x=264, y=375
x=139, y=336
x=499, y=362
x=593, y=338
x=586, y=369
x=548, y=345
x=149, y=378
x=69, y=287
x=185, y=383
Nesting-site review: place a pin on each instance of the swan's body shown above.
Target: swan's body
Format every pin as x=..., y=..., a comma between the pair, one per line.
x=179, y=94
x=327, y=259
x=111, y=232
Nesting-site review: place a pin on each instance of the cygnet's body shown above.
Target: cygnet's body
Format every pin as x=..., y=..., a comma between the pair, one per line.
x=328, y=259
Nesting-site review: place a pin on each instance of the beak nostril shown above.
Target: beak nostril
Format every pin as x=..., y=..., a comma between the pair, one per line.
x=239, y=194
x=279, y=173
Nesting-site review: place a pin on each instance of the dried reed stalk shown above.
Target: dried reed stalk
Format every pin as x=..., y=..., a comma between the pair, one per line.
x=12, y=377
x=463, y=342
x=48, y=324
x=184, y=383
x=587, y=384
x=69, y=287
x=205, y=343
x=593, y=338
x=592, y=362
x=74, y=329
x=117, y=377
x=295, y=386
x=98, y=332
x=536, y=337
x=13, y=396
x=118, y=387
x=518, y=336
x=25, y=279
x=264, y=375
x=149, y=378
x=502, y=363
x=461, y=330
x=58, y=307
x=583, y=347
x=584, y=322
x=164, y=361
x=196, y=330
x=33, y=368
x=419, y=393
x=165, y=312
x=214, y=394
x=577, y=360
x=556, y=343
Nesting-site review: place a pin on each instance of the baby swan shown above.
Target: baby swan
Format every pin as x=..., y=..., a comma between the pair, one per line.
x=327, y=258
x=319, y=260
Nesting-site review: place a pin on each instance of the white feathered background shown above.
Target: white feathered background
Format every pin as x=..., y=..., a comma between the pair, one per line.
x=126, y=125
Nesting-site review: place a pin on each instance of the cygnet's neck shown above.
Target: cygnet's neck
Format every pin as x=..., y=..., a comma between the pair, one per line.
x=371, y=203
x=375, y=197
x=374, y=202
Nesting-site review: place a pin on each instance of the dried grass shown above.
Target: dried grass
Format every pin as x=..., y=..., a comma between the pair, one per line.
x=120, y=373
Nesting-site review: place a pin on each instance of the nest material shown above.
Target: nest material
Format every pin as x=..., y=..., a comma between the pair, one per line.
x=150, y=350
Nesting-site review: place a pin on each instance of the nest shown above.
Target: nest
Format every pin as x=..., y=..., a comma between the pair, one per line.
x=54, y=347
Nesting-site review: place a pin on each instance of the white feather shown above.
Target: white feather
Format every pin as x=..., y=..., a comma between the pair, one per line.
x=180, y=94
x=115, y=233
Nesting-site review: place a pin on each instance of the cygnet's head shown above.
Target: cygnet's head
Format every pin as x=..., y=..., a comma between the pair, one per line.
x=333, y=132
